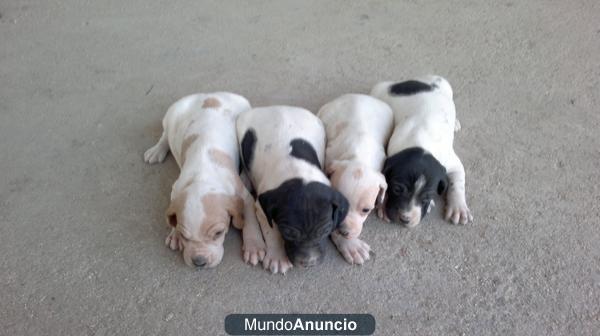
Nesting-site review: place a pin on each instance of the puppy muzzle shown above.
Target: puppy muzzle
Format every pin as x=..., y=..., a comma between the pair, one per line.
x=303, y=255
x=204, y=258
x=352, y=225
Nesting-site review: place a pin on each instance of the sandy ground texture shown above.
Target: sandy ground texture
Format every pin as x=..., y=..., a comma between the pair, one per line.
x=84, y=85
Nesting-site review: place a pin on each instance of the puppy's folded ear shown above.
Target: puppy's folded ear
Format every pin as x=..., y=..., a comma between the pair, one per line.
x=332, y=167
x=175, y=209
x=268, y=202
x=389, y=163
x=442, y=185
x=382, y=189
x=171, y=215
x=340, y=207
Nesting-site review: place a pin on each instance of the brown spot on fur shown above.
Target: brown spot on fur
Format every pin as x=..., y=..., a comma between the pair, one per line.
x=335, y=172
x=211, y=103
x=219, y=207
x=340, y=127
x=222, y=159
x=187, y=142
x=358, y=173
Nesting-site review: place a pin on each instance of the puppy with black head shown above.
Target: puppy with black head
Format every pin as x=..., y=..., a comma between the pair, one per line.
x=421, y=160
x=282, y=151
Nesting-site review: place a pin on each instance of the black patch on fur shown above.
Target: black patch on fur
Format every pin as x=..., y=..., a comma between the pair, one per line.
x=305, y=213
x=402, y=170
x=411, y=87
x=302, y=149
x=247, y=148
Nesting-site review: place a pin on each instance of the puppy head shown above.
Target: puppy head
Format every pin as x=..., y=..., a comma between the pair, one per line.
x=202, y=221
x=305, y=215
x=414, y=177
x=363, y=187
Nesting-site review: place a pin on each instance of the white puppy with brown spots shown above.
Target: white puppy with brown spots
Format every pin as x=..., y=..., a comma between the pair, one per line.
x=358, y=128
x=199, y=130
x=421, y=159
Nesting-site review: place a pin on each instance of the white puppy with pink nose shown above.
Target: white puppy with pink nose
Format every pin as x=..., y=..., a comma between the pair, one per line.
x=199, y=130
x=358, y=128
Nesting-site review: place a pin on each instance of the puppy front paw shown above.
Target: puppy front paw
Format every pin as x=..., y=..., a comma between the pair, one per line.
x=354, y=250
x=458, y=213
x=276, y=261
x=381, y=214
x=156, y=154
x=173, y=241
x=254, y=251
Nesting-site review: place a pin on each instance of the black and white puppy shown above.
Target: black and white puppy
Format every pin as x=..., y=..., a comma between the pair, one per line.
x=421, y=160
x=283, y=150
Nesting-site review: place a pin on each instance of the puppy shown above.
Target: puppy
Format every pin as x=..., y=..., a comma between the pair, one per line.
x=358, y=128
x=282, y=149
x=421, y=160
x=208, y=194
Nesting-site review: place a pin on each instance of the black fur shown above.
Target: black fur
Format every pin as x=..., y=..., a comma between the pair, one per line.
x=402, y=170
x=247, y=148
x=302, y=149
x=411, y=87
x=305, y=214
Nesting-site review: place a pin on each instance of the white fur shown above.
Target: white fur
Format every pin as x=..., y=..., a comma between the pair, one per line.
x=275, y=127
x=213, y=129
x=428, y=120
x=358, y=128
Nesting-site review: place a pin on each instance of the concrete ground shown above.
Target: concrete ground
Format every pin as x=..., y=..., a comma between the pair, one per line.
x=83, y=86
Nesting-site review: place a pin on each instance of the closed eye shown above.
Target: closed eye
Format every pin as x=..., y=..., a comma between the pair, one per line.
x=290, y=233
x=366, y=210
x=399, y=189
x=218, y=234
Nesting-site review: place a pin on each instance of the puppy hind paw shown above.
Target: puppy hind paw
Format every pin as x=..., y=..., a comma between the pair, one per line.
x=458, y=214
x=156, y=154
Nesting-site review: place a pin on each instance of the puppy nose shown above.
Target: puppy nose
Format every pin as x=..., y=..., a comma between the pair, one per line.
x=404, y=218
x=309, y=262
x=199, y=261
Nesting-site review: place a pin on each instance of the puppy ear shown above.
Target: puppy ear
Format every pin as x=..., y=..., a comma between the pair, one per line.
x=175, y=208
x=332, y=167
x=387, y=164
x=340, y=207
x=442, y=185
x=382, y=189
x=171, y=215
x=268, y=203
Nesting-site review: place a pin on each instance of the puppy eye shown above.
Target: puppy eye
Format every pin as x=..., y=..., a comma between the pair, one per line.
x=366, y=210
x=399, y=189
x=218, y=234
x=289, y=233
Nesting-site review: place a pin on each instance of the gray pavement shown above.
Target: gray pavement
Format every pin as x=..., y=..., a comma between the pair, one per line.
x=84, y=84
